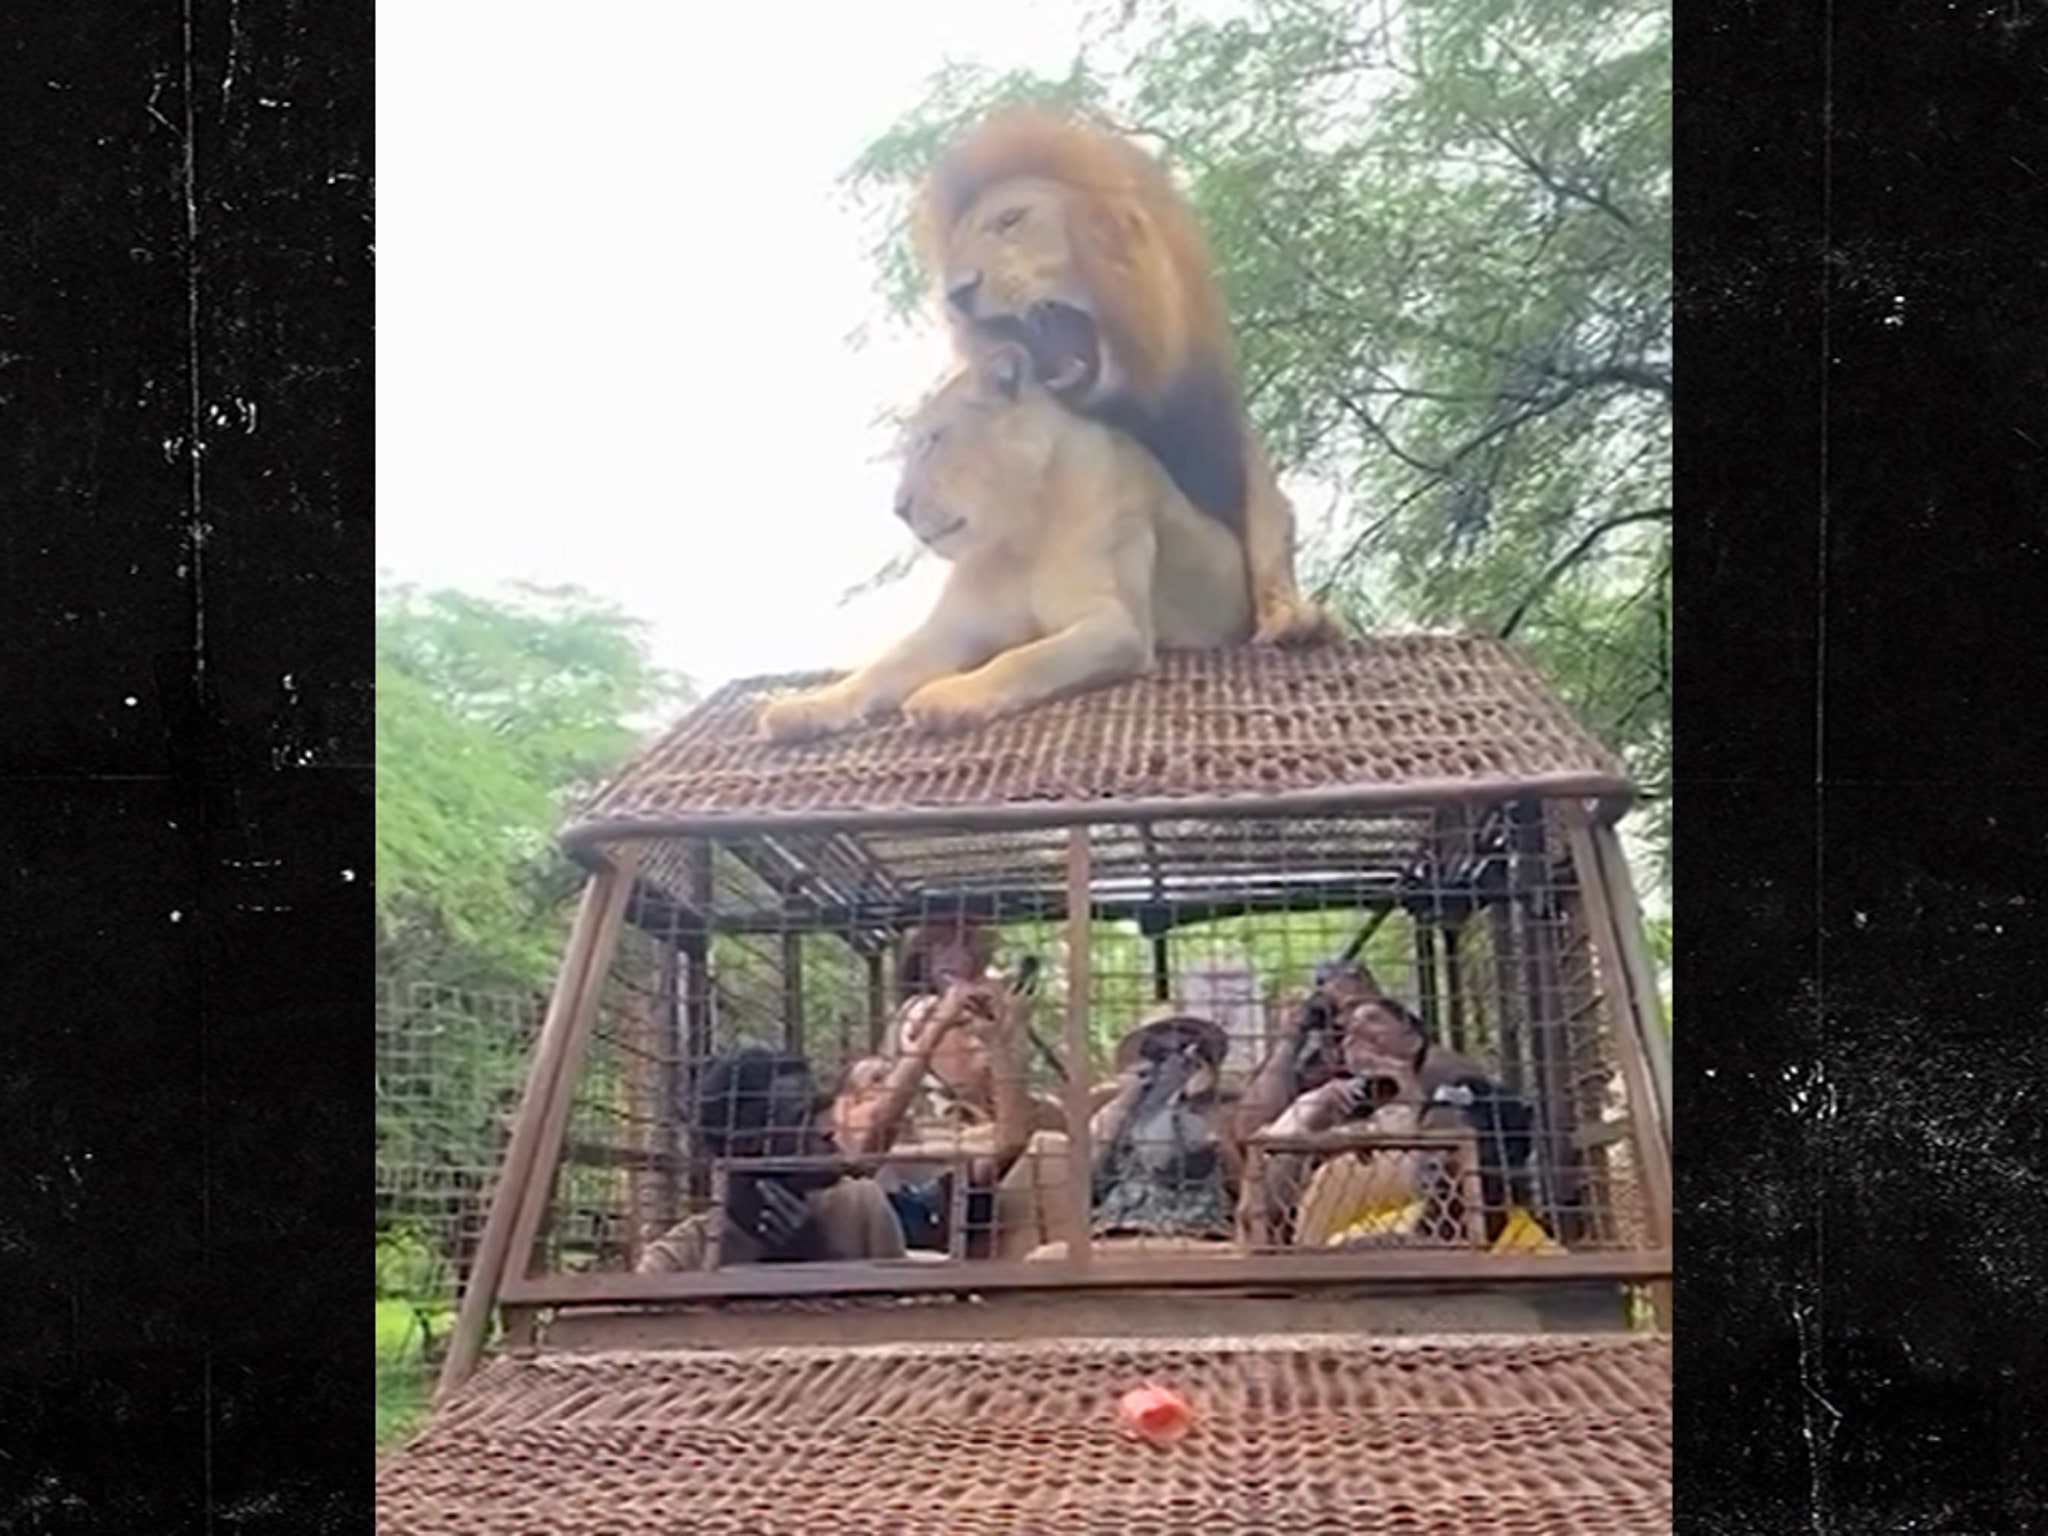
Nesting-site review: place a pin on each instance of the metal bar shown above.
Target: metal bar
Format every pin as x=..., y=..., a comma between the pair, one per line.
x=793, y=991
x=1014, y=905
x=1080, y=986
x=1454, y=986
x=473, y=1317
x=878, y=1000
x=1620, y=889
x=1351, y=1138
x=697, y=1001
x=1427, y=998
x=554, y=1125
x=1613, y=794
x=1229, y=1269
x=669, y=1112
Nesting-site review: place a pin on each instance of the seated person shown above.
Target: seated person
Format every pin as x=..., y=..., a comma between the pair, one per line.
x=1369, y=1060
x=980, y=1106
x=755, y=1103
x=963, y=1072
x=1164, y=1163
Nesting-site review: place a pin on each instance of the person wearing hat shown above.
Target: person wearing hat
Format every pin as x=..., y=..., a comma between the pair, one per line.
x=1164, y=1165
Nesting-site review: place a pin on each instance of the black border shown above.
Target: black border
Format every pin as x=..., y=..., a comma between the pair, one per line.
x=1859, y=872
x=185, y=1104
x=1860, y=1347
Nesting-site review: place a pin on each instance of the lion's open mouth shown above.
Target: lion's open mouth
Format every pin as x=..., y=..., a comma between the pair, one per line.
x=1065, y=347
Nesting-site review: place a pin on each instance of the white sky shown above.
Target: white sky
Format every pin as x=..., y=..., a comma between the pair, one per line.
x=604, y=248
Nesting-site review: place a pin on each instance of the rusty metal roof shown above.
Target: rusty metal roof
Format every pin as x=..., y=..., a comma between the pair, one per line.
x=1316, y=1436
x=1393, y=720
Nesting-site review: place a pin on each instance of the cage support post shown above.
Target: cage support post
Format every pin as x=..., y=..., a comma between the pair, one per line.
x=668, y=1112
x=696, y=952
x=1080, y=977
x=1426, y=998
x=1454, y=986
x=793, y=991
x=1620, y=888
x=1648, y=1129
x=603, y=892
x=554, y=1122
x=878, y=997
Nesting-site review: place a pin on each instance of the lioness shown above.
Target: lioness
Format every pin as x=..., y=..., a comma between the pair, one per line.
x=1073, y=555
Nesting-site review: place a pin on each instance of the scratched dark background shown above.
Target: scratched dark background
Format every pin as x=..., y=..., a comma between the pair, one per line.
x=187, y=547
x=1862, y=975
x=185, y=284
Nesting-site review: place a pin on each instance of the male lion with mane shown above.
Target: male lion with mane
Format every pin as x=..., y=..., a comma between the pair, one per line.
x=1073, y=556
x=1066, y=238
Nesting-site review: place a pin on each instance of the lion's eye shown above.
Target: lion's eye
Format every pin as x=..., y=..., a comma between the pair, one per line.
x=1009, y=219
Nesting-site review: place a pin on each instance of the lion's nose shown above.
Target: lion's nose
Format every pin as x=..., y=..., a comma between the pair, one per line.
x=961, y=294
x=903, y=505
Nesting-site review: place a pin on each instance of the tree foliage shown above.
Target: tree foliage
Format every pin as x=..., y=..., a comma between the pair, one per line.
x=1444, y=226
x=493, y=718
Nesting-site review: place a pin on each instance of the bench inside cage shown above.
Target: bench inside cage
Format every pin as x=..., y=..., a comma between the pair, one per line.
x=1099, y=1109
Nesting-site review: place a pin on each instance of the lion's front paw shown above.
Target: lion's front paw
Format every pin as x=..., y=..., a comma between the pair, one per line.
x=950, y=704
x=1294, y=620
x=805, y=716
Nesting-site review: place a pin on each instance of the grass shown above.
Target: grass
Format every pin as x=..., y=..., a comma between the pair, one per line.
x=404, y=1379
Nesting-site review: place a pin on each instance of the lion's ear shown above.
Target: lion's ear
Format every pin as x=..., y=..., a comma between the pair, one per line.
x=1006, y=369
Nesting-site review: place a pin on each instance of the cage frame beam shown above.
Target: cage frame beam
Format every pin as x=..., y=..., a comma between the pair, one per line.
x=594, y=933
x=1634, y=1017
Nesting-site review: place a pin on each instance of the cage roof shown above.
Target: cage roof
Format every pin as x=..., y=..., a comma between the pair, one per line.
x=1402, y=721
x=1567, y=1436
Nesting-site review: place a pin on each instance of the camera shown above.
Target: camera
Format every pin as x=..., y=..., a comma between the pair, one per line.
x=1318, y=1043
x=1371, y=1091
x=743, y=1207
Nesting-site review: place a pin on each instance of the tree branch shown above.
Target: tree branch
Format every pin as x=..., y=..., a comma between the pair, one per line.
x=1633, y=375
x=1572, y=557
x=1559, y=186
x=1365, y=418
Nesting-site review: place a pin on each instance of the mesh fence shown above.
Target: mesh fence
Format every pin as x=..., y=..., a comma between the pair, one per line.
x=450, y=1068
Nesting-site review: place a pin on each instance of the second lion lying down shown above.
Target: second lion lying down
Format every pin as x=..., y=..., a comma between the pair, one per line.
x=1073, y=557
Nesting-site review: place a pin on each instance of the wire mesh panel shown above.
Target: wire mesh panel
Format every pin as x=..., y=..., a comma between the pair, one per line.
x=449, y=1068
x=1164, y=1041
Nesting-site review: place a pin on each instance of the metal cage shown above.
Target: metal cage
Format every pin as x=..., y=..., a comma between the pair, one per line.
x=1203, y=843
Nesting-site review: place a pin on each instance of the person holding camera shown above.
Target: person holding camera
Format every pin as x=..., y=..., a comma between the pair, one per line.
x=1352, y=1055
x=757, y=1103
x=1165, y=1164
x=965, y=1045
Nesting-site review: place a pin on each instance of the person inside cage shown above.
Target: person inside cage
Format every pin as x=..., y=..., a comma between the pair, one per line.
x=967, y=1041
x=942, y=950
x=756, y=1103
x=1351, y=1055
x=1165, y=1166
x=1165, y=1163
